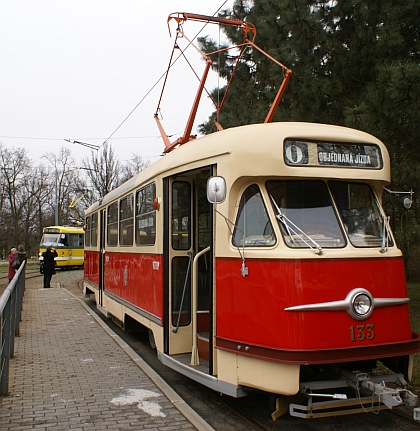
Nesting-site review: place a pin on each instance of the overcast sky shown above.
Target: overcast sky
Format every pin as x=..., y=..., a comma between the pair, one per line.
x=76, y=69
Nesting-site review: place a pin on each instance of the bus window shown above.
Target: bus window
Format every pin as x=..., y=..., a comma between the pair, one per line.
x=112, y=225
x=126, y=220
x=359, y=212
x=94, y=230
x=145, y=215
x=305, y=211
x=253, y=224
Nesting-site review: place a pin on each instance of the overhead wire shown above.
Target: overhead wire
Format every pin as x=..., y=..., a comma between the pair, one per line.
x=84, y=139
x=31, y=137
x=160, y=78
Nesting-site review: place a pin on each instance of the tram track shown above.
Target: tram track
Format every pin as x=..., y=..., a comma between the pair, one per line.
x=240, y=413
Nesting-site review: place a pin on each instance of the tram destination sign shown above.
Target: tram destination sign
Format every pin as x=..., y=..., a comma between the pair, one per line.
x=332, y=154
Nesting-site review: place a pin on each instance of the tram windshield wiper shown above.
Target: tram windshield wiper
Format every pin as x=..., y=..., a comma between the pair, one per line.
x=293, y=229
x=386, y=234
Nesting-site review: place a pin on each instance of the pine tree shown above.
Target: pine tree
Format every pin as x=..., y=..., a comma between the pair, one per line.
x=354, y=63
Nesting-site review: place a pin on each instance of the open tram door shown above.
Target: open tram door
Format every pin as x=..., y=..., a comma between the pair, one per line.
x=188, y=271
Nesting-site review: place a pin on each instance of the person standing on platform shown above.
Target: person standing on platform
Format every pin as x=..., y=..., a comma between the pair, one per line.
x=49, y=265
x=20, y=255
x=12, y=271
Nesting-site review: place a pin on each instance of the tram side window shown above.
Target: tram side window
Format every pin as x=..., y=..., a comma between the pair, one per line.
x=88, y=224
x=126, y=220
x=94, y=230
x=359, y=212
x=253, y=226
x=112, y=225
x=145, y=215
x=75, y=240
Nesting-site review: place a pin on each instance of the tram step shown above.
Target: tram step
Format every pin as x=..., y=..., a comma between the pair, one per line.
x=325, y=409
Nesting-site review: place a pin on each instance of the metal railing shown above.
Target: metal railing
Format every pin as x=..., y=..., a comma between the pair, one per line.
x=10, y=313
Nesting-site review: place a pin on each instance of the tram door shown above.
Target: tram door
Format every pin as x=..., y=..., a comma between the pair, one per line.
x=189, y=225
x=102, y=224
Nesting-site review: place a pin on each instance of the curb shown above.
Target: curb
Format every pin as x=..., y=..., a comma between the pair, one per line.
x=173, y=397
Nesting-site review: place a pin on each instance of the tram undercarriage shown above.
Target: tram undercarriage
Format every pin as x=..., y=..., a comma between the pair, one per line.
x=349, y=393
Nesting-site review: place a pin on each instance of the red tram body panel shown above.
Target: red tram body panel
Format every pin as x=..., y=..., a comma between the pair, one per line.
x=272, y=286
x=134, y=278
x=91, y=267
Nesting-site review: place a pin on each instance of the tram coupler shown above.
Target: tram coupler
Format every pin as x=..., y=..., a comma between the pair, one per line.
x=387, y=392
x=391, y=397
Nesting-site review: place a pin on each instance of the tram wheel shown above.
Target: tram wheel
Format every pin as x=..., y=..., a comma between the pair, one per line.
x=152, y=339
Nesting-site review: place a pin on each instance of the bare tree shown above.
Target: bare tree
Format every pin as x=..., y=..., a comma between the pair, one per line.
x=132, y=167
x=62, y=184
x=15, y=168
x=103, y=170
x=44, y=215
x=35, y=190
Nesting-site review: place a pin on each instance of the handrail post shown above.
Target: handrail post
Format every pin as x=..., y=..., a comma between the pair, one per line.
x=183, y=293
x=195, y=360
x=5, y=349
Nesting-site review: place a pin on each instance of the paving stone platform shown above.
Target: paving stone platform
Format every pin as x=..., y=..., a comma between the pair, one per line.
x=70, y=371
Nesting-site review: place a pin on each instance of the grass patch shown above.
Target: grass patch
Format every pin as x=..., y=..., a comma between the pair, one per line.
x=414, y=295
x=30, y=264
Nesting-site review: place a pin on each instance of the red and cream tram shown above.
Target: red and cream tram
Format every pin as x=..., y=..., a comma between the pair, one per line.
x=260, y=257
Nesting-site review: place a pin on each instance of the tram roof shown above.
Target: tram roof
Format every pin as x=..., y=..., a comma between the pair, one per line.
x=244, y=144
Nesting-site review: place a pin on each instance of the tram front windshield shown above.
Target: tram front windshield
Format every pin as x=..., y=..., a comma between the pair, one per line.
x=54, y=240
x=306, y=211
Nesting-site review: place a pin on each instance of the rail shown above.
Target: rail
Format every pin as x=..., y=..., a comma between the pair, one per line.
x=10, y=314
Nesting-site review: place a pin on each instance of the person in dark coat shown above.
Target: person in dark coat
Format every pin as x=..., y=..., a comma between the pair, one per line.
x=12, y=271
x=49, y=265
x=20, y=255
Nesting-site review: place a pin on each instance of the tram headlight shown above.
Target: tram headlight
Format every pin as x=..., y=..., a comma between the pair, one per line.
x=362, y=304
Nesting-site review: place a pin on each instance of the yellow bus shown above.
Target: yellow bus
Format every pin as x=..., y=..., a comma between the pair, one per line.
x=68, y=241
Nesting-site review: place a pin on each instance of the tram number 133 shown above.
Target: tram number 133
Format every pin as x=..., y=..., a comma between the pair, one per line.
x=362, y=332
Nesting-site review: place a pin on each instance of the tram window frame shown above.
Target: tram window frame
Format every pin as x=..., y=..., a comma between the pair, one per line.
x=126, y=220
x=94, y=230
x=253, y=223
x=361, y=221
x=145, y=229
x=88, y=224
x=112, y=225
